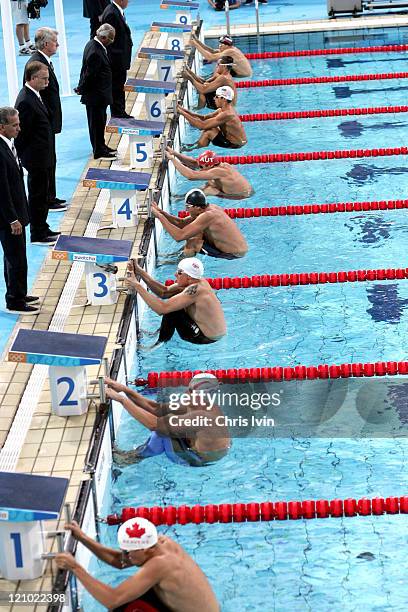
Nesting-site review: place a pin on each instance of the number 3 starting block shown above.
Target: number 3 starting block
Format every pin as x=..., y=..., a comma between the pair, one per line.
x=141, y=134
x=99, y=255
x=165, y=61
x=25, y=501
x=67, y=355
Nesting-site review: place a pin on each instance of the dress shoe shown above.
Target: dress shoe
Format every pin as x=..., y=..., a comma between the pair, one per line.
x=31, y=299
x=52, y=234
x=109, y=150
x=123, y=116
x=56, y=207
x=45, y=241
x=25, y=309
x=58, y=201
x=105, y=156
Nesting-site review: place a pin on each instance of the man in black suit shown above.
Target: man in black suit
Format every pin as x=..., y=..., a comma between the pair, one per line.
x=93, y=9
x=46, y=43
x=13, y=217
x=35, y=146
x=120, y=54
x=95, y=88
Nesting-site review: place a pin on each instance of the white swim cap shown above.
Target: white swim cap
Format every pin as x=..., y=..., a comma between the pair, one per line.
x=137, y=534
x=192, y=266
x=203, y=382
x=225, y=92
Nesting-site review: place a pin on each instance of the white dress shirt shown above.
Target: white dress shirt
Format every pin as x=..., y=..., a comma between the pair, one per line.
x=119, y=8
x=101, y=43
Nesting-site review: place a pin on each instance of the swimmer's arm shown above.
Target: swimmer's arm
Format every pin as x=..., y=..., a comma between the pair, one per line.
x=207, y=52
x=133, y=395
x=177, y=302
x=145, y=417
x=193, y=175
x=104, y=553
x=192, y=229
x=210, y=121
x=210, y=86
x=185, y=159
x=159, y=212
x=158, y=288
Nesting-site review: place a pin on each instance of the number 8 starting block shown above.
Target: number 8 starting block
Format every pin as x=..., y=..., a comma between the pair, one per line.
x=165, y=61
x=175, y=31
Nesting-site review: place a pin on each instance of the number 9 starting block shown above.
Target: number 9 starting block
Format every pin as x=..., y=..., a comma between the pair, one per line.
x=175, y=31
x=165, y=61
x=183, y=8
x=141, y=134
x=25, y=501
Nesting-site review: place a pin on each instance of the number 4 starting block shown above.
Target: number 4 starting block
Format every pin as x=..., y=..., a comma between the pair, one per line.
x=67, y=355
x=165, y=60
x=183, y=8
x=175, y=31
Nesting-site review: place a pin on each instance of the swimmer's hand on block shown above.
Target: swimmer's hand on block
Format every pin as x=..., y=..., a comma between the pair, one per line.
x=132, y=270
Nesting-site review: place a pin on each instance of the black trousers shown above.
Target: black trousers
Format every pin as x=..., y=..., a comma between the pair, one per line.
x=52, y=190
x=96, y=125
x=38, y=198
x=15, y=267
x=94, y=25
x=118, y=107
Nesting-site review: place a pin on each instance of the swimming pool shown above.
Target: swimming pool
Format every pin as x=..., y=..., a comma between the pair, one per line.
x=297, y=565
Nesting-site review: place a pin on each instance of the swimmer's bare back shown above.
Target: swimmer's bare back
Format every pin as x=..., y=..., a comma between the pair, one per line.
x=206, y=310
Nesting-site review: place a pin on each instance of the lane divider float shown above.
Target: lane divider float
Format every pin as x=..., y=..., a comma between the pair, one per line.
x=324, y=79
x=336, y=51
x=331, y=112
x=264, y=511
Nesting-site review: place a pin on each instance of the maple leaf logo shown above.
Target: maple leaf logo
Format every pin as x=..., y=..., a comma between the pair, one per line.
x=135, y=531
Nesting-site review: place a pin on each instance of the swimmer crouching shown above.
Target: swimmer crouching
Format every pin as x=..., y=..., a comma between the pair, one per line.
x=168, y=580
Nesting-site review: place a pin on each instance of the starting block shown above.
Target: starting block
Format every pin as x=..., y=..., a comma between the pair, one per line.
x=165, y=61
x=175, y=31
x=67, y=355
x=123, y=186
x=155, y=92
x=25, y=501
x=99, y=255
x=183, y=8
x=141, y=135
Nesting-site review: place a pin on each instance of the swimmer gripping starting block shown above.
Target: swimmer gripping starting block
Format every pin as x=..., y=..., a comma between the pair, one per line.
x=183, y=8
x=165, y=60
x=174, y=31
x=67, y=356
x=25, y=501
x=99, y=255
x=155, y=92
x=123, y=186
x=141, y=134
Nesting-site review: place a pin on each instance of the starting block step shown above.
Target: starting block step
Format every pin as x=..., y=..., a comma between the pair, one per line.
x=116, y=179
x=56, y=349
x=91, y=250
x=27, y=497
x=134, y=127
x=182, y=4
x=162, y=26
x=150, y=87
x=160, y=54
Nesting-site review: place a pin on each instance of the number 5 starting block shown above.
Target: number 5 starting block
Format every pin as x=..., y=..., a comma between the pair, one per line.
x=141, y=134
x=184, y=9
x=67, y=355
x=165, y=61
x=175, y=31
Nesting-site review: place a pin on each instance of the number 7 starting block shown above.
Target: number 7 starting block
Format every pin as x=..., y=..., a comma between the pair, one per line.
x=175, y=31
x=25, y=501
x=99, y=255
x=184, y=9
x=141, y=134
x=165, y=60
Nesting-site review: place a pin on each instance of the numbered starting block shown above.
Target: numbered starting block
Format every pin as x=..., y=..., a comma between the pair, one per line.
x=183, y=9
x=67, y=355
x=175, y=31
x=165, y=61
x=141, y=134
x=99, y=255
x=155, y=92
x=25, y=501
x=123, y=186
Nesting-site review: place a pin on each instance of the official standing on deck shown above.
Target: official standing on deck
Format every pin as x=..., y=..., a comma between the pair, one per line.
x=35, y=146
x=46, y=43
x=120, y=54
x=95, y=88
x=93, y=9
x=13, y=217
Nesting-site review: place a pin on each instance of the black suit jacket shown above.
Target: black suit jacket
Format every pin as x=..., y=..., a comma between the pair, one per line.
x=50, y=95
x=13, y=199
x=95, y=81
x=35, y=142
x=120, y=51
x=94, y=8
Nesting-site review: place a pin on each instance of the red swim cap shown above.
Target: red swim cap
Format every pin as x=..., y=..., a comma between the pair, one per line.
x=208, y=159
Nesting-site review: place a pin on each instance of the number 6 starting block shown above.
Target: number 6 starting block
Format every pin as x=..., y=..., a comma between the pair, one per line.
x=25, y=501
x=99, y=255
x=141, y=134
x=183, y=8
x=67, y=355
x=175, y=31
x=165, y=61
x=155, y=92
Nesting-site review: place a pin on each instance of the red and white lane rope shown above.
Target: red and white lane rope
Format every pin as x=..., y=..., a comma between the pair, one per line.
x=331, y=112
x=337, y=51
x=324, y=79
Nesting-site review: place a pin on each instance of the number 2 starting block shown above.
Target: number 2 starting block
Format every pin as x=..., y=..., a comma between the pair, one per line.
x=165, y=60
x=99, y=255
x=123, y=186
x=67, y=355
x=141, y=134
x=175, y=31
x=184, y=9
x=155, y=92
x=25, y=501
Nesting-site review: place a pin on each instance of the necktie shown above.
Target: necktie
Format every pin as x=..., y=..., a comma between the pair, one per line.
x=14, y=152
x=51, y=67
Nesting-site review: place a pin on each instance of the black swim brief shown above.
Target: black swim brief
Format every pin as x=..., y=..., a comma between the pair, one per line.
x=187, y=329
x=210, y=100
x=149, y=599
x=212, y=251
x=221, y=141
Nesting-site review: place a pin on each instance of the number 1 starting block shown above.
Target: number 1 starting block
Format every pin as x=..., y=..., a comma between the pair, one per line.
x=25, y=501
x=99, y=255
x=184, y=9
x=175, y=31
x=165, y=61
x=141, y=134
x=155, y=92
x=67, y=355
x=123, y=186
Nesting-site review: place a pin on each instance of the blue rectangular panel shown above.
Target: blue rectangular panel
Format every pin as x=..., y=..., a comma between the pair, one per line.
x=27, y=497
x=46, y=343
x=179, y=4
x=146, y=86
x=115, y=250
x=103, y=178
x=133, y=126
x=152, y=53
x=162, y=26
